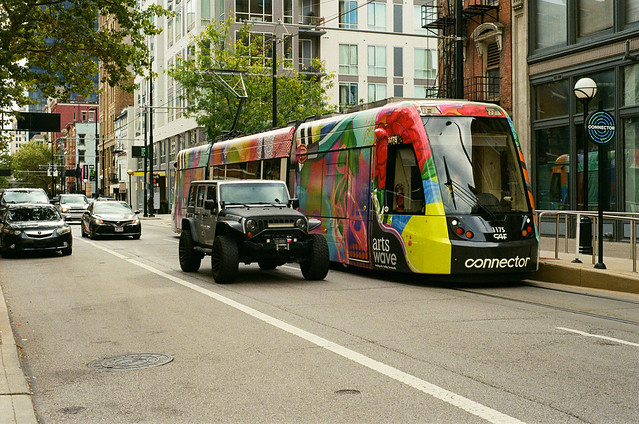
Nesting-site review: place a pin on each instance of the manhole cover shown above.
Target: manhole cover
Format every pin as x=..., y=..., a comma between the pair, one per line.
x=131, y=361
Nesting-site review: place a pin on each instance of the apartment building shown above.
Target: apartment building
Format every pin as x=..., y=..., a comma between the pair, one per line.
x=377, y=49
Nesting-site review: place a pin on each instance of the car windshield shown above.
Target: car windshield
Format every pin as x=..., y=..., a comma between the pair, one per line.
x=253, y=193
x=34, y=214
x=112, y=207
x=26, y=196
x=74, y=200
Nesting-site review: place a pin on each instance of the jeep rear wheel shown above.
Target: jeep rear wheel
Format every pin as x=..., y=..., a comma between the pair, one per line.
x=315, y=266
x=224, y=260
x=189, y=258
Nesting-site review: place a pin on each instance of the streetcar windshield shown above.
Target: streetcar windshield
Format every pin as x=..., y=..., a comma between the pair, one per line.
x=477, y=165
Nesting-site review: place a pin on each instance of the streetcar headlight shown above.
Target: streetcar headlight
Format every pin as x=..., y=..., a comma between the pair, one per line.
x=300, y=223
x=251, y=225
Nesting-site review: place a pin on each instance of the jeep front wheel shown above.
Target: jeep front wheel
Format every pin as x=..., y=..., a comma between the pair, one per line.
x=189, y=258
x=224, y=259
x=315, y=266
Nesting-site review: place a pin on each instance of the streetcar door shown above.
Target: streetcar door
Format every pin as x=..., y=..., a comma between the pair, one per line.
x=358, y=204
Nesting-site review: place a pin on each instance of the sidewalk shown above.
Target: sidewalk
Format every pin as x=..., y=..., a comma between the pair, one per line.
x=16, y=406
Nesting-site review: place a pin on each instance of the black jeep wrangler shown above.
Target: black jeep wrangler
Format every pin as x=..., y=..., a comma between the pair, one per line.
x=248, y=221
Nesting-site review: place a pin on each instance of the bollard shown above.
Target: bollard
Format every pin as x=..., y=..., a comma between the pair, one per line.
x=585, y=235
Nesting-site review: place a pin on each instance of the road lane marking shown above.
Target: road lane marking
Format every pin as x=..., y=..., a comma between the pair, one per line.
x=461, y=402
x=612, y=339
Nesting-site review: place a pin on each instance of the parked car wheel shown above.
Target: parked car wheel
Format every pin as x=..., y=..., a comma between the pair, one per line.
x=224, y=259
x=189, y=259
x=315, y=267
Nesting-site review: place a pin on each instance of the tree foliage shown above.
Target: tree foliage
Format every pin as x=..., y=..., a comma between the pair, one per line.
x=29, y=165
x=53, y=45
x=214, y=107
x=5, y=160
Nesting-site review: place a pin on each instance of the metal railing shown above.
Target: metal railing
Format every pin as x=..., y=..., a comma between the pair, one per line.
x=632, y=218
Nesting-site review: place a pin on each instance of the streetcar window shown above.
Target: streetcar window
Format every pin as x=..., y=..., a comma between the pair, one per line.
x=271, y=169
x=404, y=189
x=243, y=171
x=477, y=164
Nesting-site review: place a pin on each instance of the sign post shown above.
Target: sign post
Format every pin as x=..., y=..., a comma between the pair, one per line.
x=601, y=128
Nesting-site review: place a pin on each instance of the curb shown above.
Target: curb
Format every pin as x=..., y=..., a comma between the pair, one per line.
x=566, y=273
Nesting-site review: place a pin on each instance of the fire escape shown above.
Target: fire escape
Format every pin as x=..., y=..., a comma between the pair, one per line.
x=440, y=18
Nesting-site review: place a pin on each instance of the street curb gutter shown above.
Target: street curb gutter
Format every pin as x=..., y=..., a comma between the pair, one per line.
x=16, y=405
x=586, y=277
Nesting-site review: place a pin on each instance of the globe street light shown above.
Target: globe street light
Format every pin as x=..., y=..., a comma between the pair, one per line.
x=585, y=90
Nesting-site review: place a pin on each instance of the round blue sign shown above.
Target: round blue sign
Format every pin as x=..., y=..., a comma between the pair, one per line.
x=601, y=127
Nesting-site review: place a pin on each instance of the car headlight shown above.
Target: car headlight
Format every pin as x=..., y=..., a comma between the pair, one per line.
x=135, y=221
x=64, y=230
x=300, y=223
x=12, y=231
x=251, y=225
x=98, y=221
x=64, y=209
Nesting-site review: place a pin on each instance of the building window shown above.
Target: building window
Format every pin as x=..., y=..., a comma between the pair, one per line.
x=306, y=55
x=594, y=16
x=348, y=94
x=631, y=85
x=425, y=63
x=377, y=60
x=377, y=16
x=91, y=115
x=551, y=23
x=190, y=15
x=348, y=14
x=553, y=99
x=254, y=10
x=398, y=62
x=205, y=12
x=423, y=15
x=348, y=59
x=631, y=157
x=398, y=90
x=421, y=92
x=397, y=18
x=84, y=116
x=376, y=92
x=260, y=51
x=288, y=51
x=553, y=168
x=81, y=155
x=169, y=32
x=81, y=139
x=632, y=12
x=287, y=8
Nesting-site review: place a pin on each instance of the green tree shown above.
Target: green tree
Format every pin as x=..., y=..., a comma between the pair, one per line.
x=214, y=107
x=29, y=165
x=55, y=46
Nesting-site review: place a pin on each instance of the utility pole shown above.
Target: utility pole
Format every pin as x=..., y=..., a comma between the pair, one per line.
x=459, y=50
x=274, y=59
x=151, y=196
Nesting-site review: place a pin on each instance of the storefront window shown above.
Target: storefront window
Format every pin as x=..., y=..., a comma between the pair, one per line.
x=553, y=168
x=631, y=85
x=631, y=162
x=594, y=16
x=553, y=99
x=551, y=23
x=593, y=173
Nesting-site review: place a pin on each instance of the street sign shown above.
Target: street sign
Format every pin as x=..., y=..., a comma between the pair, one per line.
x=139, y=152
x=601, y=127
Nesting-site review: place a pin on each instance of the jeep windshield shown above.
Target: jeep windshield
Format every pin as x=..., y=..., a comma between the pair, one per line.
x=260, y=193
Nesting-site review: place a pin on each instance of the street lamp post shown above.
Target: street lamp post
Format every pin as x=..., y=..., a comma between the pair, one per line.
x=130, y=173
x=585, y=90
x=97, y=154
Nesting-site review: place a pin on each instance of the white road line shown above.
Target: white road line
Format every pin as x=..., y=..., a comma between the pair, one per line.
x=582, y=333
x=461, y=402
x=172, y=240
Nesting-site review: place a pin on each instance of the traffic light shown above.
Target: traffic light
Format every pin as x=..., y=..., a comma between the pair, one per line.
x=155, y=179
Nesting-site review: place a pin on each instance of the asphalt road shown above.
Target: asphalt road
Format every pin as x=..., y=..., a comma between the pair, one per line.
x=355, y=348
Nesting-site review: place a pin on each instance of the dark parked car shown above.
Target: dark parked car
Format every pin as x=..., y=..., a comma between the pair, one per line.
x=30, y=227
x=12, y=196
x=109, y=217
x=72, y=206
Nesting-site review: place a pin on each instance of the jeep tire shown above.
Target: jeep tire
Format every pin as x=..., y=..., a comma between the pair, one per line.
x=189, y=258
x=315, y=266
x=224, y=259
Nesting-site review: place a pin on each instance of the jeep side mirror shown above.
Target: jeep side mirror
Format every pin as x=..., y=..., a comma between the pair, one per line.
x=210, y=205
x=294, y=202
x=55, y=201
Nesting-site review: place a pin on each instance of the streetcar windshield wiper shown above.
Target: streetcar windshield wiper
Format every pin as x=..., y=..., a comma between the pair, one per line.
x=449, y=183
